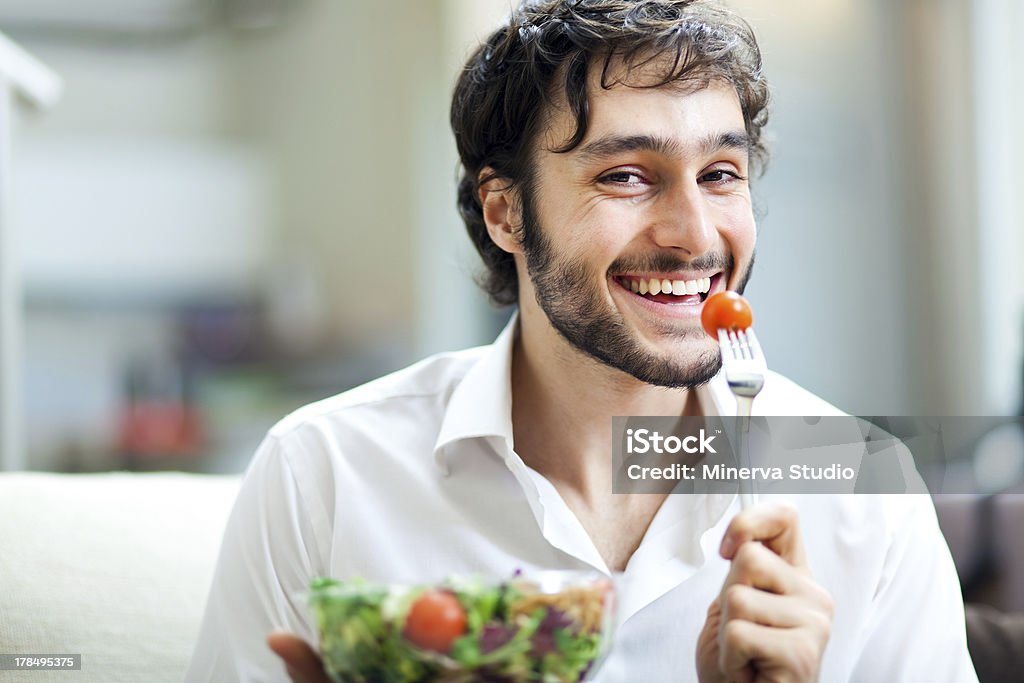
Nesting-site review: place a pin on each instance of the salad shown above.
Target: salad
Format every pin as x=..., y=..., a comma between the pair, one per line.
x=552, y=629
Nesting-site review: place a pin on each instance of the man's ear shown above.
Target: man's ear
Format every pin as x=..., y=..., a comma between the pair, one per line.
x=502, y=213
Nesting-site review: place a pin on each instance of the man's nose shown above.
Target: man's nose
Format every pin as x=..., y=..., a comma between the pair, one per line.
x=684, y=220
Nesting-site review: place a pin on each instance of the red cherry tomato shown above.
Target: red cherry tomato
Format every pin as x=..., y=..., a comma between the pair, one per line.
x=435, y=620
x=725, y=311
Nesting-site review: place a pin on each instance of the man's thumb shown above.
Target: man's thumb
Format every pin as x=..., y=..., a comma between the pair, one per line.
x=304, y=666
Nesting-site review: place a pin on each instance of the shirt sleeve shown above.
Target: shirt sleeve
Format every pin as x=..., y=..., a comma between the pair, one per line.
x=268, y=556
x=916, y=631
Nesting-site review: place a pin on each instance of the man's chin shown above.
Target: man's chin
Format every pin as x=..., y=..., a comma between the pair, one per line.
x=669, y=371
x=682, y=345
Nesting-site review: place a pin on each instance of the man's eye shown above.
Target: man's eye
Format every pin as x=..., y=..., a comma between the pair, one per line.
x=622, y=178
x=720, y=177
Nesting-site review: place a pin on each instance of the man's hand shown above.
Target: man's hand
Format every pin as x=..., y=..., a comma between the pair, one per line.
x=304, y=666
x=771, y=622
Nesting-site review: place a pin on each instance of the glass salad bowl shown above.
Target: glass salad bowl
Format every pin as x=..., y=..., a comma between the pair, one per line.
x=550, y=626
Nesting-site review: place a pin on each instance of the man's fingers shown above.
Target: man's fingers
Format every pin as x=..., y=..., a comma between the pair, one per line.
x=742, y=644
x=776, y=653
x=303, y=664
x=767, y=609
x=755, y=565
x=775, y=525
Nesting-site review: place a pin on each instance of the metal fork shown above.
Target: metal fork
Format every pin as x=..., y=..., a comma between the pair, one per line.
x=745, y=368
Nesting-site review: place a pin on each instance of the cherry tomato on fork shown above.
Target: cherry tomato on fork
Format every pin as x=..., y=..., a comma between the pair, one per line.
x=725, y=311
x=435, y=620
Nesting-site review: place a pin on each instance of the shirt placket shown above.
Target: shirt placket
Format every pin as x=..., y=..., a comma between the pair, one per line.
x=557, y=523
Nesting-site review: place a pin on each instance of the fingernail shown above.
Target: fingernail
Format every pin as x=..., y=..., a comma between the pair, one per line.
x=727, y=547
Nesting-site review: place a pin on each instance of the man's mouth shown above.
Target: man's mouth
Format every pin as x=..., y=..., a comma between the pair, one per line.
x=666, y=290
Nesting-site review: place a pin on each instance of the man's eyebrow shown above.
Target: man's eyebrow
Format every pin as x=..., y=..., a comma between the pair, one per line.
x=610, y=145
x=733, y=139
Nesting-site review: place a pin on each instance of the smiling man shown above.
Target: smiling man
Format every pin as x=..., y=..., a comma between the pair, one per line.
x=607, y=148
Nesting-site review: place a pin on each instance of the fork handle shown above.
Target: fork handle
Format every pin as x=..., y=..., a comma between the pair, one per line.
x=744, y=404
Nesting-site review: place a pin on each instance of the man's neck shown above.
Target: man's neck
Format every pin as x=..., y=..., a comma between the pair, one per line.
x=563, y=402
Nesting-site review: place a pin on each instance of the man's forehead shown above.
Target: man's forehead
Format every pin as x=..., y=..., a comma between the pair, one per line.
x=694, y=116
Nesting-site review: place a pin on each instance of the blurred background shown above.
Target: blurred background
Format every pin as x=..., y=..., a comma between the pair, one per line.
x=239, y=206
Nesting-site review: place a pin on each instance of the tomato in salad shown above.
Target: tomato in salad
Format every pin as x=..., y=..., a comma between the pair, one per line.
x=435, y=620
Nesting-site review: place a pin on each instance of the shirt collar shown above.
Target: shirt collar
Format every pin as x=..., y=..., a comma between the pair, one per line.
x=481, y=404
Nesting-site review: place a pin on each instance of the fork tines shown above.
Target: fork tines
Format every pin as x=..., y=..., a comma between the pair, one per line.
x=742, y=343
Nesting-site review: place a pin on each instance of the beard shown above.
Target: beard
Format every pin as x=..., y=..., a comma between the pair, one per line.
x=583, y=317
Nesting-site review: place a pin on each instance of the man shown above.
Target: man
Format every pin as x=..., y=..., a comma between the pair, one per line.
x=604, y=143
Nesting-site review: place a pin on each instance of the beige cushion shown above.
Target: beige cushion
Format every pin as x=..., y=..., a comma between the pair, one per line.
x=115, y=567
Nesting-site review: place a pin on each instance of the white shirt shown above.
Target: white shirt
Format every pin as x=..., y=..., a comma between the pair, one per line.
x=413, y=477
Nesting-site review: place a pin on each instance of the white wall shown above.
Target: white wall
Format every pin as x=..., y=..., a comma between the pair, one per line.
x=827, y=289
x=999, y=178
x=133, y=181
x=122, y=217
x=172, y=88
x=451, y=311
x=871, y=257
x=333, y=97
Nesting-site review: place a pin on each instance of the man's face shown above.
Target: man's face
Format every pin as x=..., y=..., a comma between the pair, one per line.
x=655, y=192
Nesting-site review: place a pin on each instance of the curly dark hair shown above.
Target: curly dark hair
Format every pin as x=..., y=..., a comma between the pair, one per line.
x=544, y=52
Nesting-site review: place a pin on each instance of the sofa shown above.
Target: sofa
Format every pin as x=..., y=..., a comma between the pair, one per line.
x=115, y=567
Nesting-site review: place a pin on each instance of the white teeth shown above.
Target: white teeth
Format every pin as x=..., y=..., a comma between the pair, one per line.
x=676, y=287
